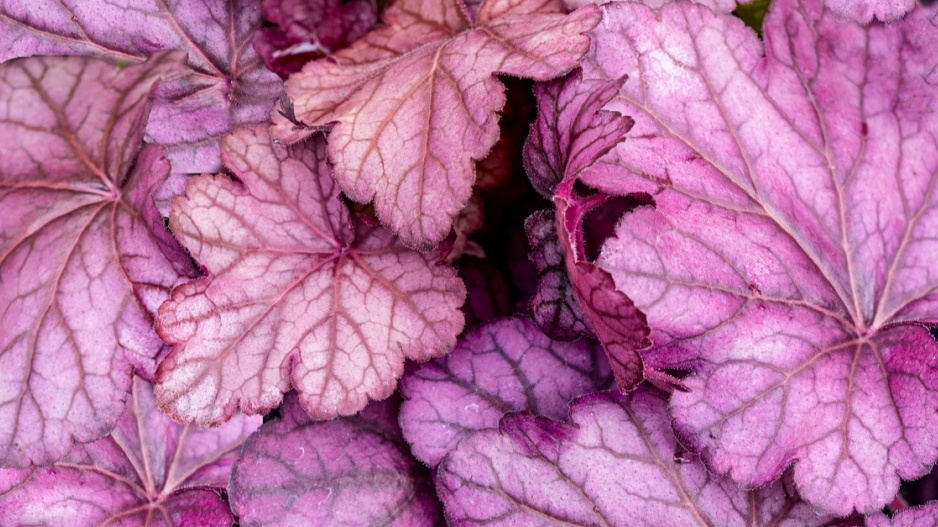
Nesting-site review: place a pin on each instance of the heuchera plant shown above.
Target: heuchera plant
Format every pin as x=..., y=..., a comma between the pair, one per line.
x=501, y=262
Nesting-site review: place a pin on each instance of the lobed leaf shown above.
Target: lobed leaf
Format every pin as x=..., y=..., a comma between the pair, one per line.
x=148, y=472
x=787, y=258
x=296, y=293
x=85, y=259
x=354, y=470
x=414, y=103
x=617, y=464
x=504, y=366
x=230, y=85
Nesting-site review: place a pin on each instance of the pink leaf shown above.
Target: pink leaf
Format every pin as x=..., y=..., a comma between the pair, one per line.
x=788, y=255
x=350, y=471
x=924, y=516
x=414, y=102
x=864, y=11
x=85, y=259
x=230, y=85
x=505, y=366
x=306, y=30
x=149, y=471
x=293, y=296
x=617, y=464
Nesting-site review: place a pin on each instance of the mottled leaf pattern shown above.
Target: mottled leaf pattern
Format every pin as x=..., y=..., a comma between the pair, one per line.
x=148, y=472
x=293, y=296
x=230, y=85
x=789, y=257
x=84, y=258
x=414, y=102
x=504, y=366
x=350, y=471
x=617, y=464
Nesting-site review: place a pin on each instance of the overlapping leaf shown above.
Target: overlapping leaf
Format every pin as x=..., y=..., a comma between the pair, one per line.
x=415, y=104
x=350, y=471
x=571, y=133
x=85, y=259
x=924, y=516
x=148, y=472
x=790, y=254
x=617, y=464
x=864, y=11
x=230, y=85
x=305, y=30
x=296, y=293
x=504, y=366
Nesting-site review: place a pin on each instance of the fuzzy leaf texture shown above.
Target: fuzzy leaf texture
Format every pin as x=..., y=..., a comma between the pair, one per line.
x=351, y=471
x=865, y=11
x=414, y=103
x=616, y=464
x=296, y=293
x=148, y=472
x=789, y=255
x=85, y=259
x=305, y=30
x=230, y=85
x=504, y=366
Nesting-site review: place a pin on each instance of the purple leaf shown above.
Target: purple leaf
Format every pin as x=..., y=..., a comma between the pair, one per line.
x=617, y=464
x=788, y=255
x=293, y=296
x=572, y=130
x=864, y=11
x=414, y=102
x=554, y=306
x=149, y=471
x=85, y=259
x=350, y=471
x=505, y=366
x=230, y=85
x=305, y=30
x=924, y=516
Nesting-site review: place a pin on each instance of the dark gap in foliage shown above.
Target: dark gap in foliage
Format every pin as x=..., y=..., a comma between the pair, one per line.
x=599, y=224
x=921, y=490
x=928, y=3
x=507, y=206
x=276, y=413
x=753, y=14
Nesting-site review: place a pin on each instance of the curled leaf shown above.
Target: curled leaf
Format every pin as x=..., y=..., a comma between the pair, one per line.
x=148, y=472
x=350, y=471
x=305, y=30
x=414, y=102
x=85, y=259
x=504, y=366
x=294, y=296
